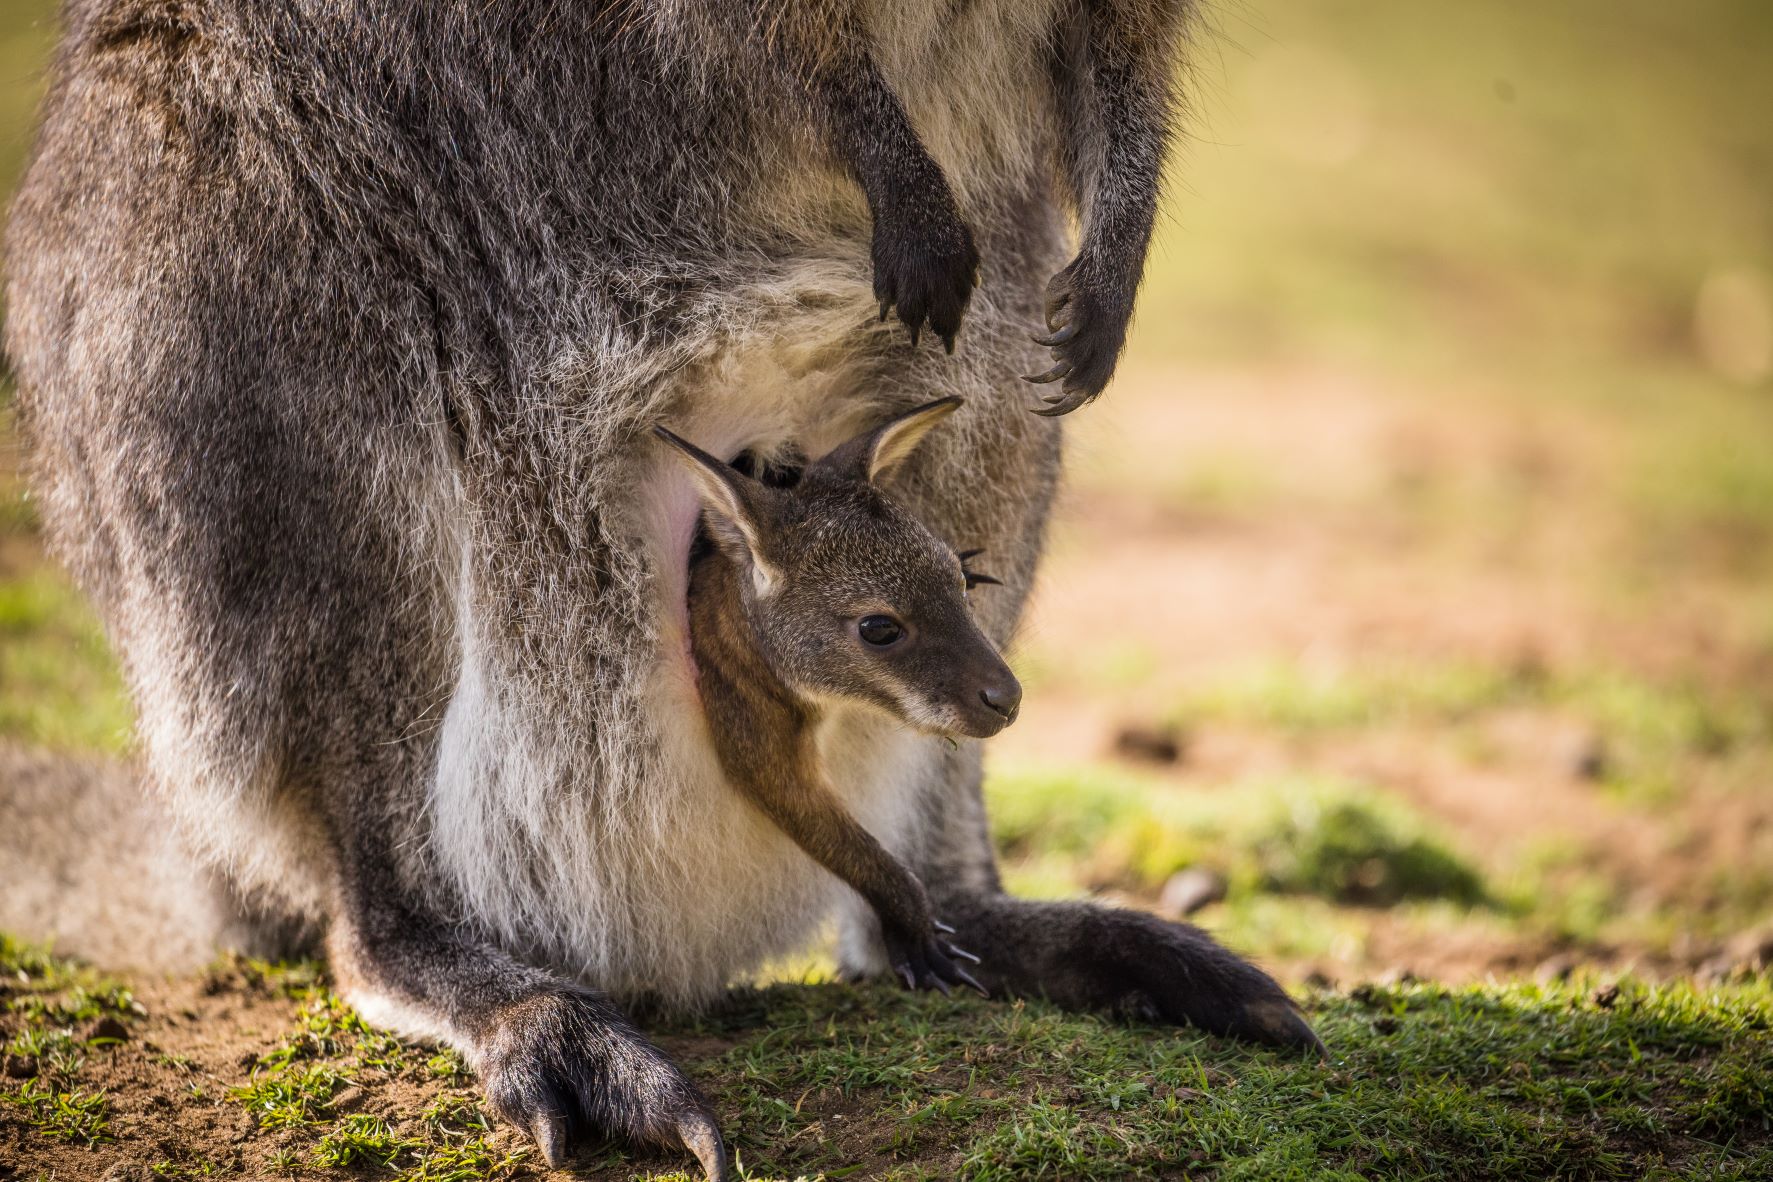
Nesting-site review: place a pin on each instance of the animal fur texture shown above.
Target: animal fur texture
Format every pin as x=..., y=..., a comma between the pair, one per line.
x=820, y=589
x=336, y=324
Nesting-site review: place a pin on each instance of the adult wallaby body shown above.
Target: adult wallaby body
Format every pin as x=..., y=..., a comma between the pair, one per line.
x=338, y=324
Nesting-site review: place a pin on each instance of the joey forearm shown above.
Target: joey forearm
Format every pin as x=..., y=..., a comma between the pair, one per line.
x=804, y=807
x=765, y=745
x=819, y=824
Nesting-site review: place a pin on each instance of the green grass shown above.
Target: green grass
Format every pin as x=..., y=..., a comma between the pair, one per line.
x=66, y=1116
x=1347, y=842
x=1425, y=1082
x=360, y=1139
x=1495, y=187
x=58, y=685
x=46, y=1002
x=1351, y=852
x=1648, y=733
x=1313, y=863
x=1583, y=1079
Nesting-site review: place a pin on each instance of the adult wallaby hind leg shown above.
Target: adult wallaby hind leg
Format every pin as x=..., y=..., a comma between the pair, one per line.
x=557, y=1059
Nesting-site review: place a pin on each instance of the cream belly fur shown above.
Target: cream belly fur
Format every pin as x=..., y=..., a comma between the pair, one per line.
x=661, y=880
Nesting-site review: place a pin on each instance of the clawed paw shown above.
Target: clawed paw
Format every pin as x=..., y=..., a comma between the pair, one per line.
x=931, y=962
x=926, y=272
x=562, y=1069
x=1086, y=329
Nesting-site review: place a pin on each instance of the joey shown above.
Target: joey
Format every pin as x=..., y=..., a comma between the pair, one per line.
x=829, y=590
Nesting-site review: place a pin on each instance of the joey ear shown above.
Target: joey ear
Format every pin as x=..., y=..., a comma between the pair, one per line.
x=877, y=453
x=734, y=500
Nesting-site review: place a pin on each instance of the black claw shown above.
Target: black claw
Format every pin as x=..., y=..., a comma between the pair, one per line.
x=886, y=307
x=1063, y=407
x=1052, y=375
x=906, y=975
x=1058, y=338
x=940, y=984
x=966, y=978
x=1279, y=1024
x=702, y=1138
x=961, y=952
x=549, y=1131
x=916, y=334
x=946, y=929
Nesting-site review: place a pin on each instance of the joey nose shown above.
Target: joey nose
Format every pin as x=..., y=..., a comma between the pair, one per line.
x=1003, y=698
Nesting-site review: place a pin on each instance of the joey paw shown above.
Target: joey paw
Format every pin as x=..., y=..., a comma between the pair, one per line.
x=1087, y=327
x=927, y=961
x=564, y=1066
x=925, y=268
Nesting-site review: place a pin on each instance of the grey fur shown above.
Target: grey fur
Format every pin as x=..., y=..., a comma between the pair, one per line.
x=819, y=589
x=337, y=323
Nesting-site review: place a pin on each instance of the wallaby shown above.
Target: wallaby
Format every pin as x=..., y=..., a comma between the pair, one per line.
x=823, y=590
x=339, y=326
x=1109, y=66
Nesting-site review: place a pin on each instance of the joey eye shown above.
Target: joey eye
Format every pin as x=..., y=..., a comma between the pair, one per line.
x=879, y=631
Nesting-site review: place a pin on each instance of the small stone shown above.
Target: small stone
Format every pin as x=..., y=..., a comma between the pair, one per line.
x=19, y=1067
x=1187, y=891
x=107, y=1027
x=1606, y=996
x=126, y=1171
x=1149, y=744
x=247, y=1060
x=1590, y=760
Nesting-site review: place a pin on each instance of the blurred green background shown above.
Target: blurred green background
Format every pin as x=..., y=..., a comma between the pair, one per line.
x=1411, y=591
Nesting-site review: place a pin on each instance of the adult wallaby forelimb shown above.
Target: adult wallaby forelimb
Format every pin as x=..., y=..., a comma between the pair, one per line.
x=340, y=327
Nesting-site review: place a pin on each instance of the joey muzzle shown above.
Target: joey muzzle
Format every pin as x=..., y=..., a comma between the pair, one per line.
x=991, y=700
